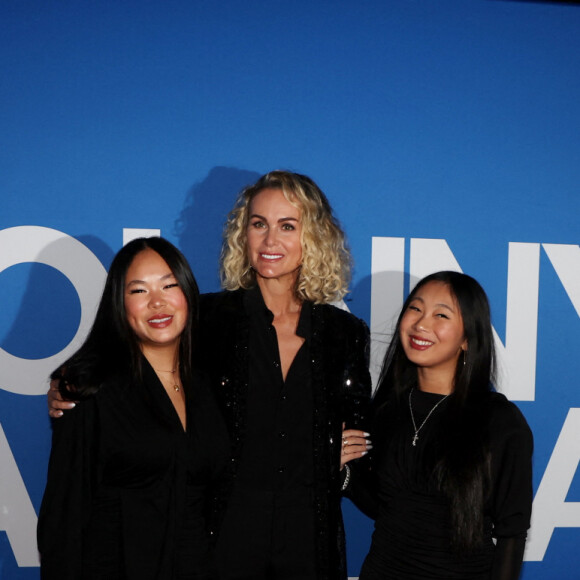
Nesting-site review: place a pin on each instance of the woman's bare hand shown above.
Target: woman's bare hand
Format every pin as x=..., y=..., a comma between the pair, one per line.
x=355, y=444
x=56, y=404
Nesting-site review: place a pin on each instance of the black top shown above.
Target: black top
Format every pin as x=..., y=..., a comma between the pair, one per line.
x=412, y=530
x=337, y=347
x=277, y=454
x=126, y=484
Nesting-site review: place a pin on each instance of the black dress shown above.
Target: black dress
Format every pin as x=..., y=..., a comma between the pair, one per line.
x=411, y=540
x=127, y=485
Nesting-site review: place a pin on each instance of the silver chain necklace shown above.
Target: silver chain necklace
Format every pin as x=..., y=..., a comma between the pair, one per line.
x=417, y=429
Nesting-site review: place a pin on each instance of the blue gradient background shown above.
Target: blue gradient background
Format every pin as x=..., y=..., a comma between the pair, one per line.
x=455, y=119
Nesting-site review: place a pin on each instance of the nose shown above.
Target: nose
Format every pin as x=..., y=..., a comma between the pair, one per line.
x=420, y=323
x=271, y=237
x=156, y=299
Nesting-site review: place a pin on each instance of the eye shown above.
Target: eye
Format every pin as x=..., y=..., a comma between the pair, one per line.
x=441, y=315
x=288, y=227
x=172, y=285
x=413, y=308
x=136, y=291
x=258, y=224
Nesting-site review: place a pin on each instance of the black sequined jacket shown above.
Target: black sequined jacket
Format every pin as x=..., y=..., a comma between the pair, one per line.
x=341, y=388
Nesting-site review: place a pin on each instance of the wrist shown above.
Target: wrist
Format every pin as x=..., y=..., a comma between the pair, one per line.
x=346, y=480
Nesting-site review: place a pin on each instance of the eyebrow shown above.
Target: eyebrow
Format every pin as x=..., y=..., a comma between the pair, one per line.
x=165, y=277
x=284, y=219
x=440, y=304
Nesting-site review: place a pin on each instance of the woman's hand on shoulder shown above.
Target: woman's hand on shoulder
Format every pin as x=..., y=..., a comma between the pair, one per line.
x=355, y=444
x=56, y=404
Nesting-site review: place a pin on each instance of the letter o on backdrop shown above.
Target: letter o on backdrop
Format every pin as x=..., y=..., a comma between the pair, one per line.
x=86, y=273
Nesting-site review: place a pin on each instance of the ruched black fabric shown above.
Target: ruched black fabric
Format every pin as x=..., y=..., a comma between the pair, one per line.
x=411, y=540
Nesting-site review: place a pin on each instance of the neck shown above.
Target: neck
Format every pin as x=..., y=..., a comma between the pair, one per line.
x=278, y=295
x=434, y=381
x=163, y=358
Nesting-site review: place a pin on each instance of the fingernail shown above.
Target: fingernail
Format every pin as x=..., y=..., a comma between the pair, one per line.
x=369, y=446
x=364, y=453
x=367, y=434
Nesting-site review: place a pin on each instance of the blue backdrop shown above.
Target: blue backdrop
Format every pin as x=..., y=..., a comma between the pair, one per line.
x=446, y=133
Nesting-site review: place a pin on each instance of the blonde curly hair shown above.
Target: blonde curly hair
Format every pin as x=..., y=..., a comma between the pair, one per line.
x=324, y=274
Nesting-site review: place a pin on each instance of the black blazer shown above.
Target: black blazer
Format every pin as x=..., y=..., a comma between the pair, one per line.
x=120, y=468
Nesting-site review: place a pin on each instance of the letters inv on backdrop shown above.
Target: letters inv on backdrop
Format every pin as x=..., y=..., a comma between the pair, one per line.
x=86, y=273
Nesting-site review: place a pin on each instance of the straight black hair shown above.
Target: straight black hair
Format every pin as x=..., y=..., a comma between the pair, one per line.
x=462, y=468
x=111, y=346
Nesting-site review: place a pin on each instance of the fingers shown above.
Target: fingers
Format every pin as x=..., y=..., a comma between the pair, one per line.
x=355, y=444
x=56, y=404
x=353, y=433
x=354, y=440
x=55, y=408
x=346, y=457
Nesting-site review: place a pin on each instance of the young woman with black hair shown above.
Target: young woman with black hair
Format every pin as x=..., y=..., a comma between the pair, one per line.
x=450, y=484
x=129, y=466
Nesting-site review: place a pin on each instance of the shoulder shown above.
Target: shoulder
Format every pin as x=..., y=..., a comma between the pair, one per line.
x=342, y=336
x=220, y=309
x=217, y=302
x=225, y=298
x=340, y=319
x=503, y=410
x=210, y=299
x=506, y=419
x=87, y=409
x=115, y=390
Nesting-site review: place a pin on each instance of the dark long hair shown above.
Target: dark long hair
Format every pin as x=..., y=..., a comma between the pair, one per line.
x=111, y=346
x=461, y=470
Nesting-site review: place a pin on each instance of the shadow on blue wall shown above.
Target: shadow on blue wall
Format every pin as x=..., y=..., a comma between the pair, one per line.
x=200, y=224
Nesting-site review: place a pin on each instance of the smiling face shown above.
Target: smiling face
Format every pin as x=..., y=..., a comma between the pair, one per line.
x=274, y=229
x=155, y=305
x=431, y=330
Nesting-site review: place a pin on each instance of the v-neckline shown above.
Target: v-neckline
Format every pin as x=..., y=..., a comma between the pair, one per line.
x=168, y=403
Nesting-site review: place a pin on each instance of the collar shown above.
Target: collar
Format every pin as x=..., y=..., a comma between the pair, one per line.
x=256, y=307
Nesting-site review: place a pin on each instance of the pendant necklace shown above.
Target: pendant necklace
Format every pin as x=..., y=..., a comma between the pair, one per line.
x=417, y=429
x=176, y=387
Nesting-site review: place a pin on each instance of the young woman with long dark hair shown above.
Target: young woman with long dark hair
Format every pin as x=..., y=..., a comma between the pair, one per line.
x=451, y=483
x=129, y=466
